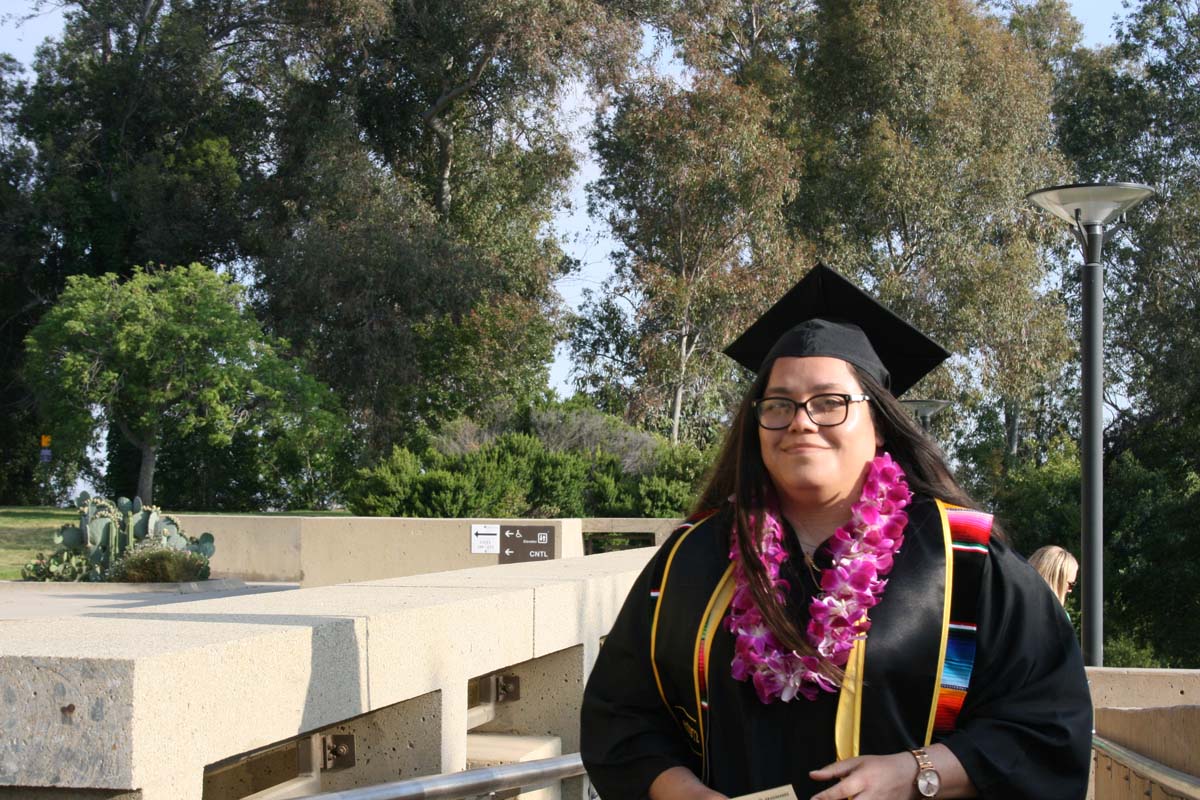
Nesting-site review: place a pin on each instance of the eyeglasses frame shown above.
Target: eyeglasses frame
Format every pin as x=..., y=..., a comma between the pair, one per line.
x=849, y=398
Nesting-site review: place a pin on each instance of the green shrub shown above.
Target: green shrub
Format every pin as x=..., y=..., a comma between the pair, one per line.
x=389, y=488
x=1038, y=504
x=1125, y=651
x=516, y=474
x=671, y=487
x=157, y=564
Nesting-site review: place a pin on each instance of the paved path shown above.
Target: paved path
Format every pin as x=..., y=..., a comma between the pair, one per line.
x=22, y=600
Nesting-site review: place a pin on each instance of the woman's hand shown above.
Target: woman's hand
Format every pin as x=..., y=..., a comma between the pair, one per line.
x=869, y=778
x=893, y=776
x=680, y=783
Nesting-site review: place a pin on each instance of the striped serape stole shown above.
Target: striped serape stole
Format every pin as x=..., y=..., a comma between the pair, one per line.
x=970, y=532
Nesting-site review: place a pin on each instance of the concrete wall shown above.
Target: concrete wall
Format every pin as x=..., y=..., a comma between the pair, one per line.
x=322, y=551
x=158, y=693
x=1143, y=688
x=250, y=548
x=1169, y=735
x=1134, y=709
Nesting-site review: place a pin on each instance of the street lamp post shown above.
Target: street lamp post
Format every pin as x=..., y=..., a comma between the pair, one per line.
x=926, y=410
x=1091, y=209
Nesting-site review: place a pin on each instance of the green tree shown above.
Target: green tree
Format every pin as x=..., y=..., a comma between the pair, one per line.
x=410, y=322
x=405, y=249
x=1129, y=112
x=168, y=351
x=24, y=283
x=147, y=133
x=918, y=129
x=443, y=86
x=692, y=186
x=1047, y=28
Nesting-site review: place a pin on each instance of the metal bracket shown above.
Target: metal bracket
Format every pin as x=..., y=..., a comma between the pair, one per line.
x=508, y=688
x=337, y=751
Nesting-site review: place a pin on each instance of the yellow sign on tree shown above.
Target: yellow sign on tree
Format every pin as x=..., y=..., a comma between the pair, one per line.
x=45, y=440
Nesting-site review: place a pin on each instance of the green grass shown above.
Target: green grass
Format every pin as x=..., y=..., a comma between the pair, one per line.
x=26, y=531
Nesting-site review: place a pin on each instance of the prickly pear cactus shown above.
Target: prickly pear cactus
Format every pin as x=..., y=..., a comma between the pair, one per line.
x=106, y=531
x=205, y=545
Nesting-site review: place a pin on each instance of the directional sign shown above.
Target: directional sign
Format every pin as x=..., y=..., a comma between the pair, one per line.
x=485, y=538
x=526, y=543
x=45, y=455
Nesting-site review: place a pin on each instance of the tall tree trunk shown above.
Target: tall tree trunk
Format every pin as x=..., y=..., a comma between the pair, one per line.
x=145, y=488
x=445, y=162
x=1012, y=430
x=677, y=402
x=676, y=408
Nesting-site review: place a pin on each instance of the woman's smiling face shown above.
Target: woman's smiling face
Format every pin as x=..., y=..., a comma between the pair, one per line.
x=809, y=461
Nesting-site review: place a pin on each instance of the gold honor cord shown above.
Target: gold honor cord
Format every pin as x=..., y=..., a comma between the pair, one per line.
x=948, y=545
x=662, y=587
x=718, y=604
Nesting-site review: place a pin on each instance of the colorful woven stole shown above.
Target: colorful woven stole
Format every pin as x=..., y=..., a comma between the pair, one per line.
x=969, y=532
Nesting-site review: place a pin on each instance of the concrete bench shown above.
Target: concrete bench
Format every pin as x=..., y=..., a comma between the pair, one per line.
x=145, y=698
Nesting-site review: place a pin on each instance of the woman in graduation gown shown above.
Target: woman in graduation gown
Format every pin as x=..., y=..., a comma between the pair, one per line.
x=835, y=618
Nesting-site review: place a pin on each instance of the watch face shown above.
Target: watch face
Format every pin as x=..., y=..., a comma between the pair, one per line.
x=928, y=783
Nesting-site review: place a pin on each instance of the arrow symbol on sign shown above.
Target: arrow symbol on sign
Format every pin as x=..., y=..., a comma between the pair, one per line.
x=509, y=534
x=508, y=552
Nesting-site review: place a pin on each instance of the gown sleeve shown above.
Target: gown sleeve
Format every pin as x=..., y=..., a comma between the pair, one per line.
x=627, y=735
x=1026, y=722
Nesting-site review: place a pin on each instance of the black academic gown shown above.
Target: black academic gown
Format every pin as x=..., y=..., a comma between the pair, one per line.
x=1024, y=730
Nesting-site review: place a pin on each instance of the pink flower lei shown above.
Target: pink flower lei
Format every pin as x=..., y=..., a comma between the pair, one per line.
x=863, y=551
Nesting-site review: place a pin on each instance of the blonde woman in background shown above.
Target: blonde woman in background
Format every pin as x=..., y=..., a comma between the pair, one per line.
x=1058, y=567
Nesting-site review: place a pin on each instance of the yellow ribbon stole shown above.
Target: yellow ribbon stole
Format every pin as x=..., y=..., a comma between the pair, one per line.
x=948, y=546
x=848, y=724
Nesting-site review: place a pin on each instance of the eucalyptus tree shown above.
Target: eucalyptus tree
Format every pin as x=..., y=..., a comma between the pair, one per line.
x=693, y=184
x=917, y=129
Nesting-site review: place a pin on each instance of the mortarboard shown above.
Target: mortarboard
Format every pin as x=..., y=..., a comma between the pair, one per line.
x=827, y=315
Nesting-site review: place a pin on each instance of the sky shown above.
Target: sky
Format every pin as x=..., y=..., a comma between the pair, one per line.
x=583, y=239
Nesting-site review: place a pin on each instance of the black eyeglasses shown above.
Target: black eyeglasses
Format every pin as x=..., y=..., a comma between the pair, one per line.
x=826, y=410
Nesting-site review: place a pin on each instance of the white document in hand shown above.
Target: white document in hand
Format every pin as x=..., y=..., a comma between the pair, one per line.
x=778, y=793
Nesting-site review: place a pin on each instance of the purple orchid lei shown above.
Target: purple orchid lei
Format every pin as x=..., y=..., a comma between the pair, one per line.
x=863, y=550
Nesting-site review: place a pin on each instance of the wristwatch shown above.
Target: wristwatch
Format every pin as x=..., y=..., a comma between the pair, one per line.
x=929, y=783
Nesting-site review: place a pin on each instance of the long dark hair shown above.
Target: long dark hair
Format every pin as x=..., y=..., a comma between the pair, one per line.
x=740, y=475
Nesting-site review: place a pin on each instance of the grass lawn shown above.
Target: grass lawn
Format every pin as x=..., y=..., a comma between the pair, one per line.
x=26, y=531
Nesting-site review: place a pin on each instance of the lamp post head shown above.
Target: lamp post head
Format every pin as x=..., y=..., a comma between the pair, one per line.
x=1090, y=203
x=926, y=410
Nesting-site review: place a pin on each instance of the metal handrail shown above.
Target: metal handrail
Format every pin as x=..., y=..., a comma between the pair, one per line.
x=472, y=782
x=1173, y=780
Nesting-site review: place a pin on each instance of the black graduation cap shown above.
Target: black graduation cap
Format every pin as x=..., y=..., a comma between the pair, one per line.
x=827, y=315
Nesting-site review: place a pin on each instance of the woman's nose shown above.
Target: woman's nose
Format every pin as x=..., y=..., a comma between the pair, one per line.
x=802, y=421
